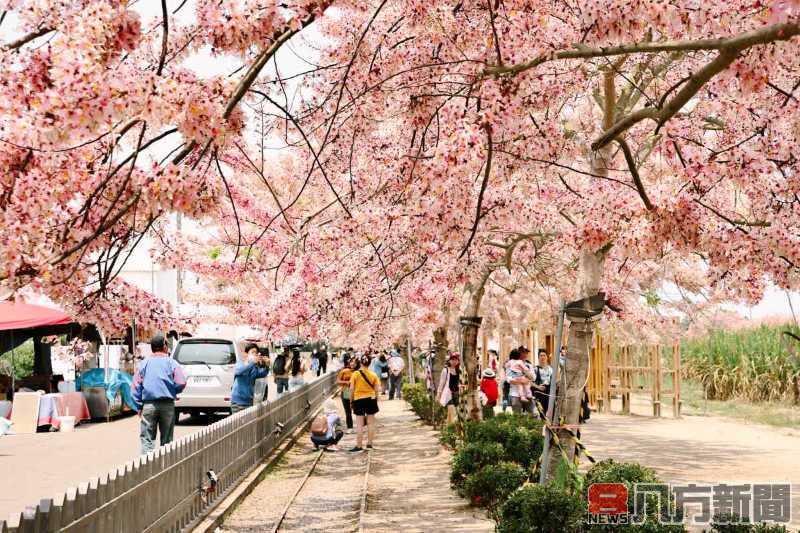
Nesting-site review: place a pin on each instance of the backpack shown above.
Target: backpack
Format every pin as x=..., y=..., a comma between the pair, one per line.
x=319, y=427
x=279, y=366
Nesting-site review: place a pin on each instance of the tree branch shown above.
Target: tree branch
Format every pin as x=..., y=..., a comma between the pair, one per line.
x=164, y=37
x=25, y=39
x=767, y=34
x=634, y=172
x=478, y=216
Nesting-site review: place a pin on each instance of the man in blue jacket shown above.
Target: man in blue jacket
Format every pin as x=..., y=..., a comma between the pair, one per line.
x=245, y=375
x=157, y=383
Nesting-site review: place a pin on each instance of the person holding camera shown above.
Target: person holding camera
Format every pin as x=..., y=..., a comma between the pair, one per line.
x=244, y=378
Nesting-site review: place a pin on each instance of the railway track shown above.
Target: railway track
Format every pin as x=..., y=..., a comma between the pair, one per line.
x=349, y=511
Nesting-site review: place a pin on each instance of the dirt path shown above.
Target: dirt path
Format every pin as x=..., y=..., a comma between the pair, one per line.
x=701, y=449
x=408, y=486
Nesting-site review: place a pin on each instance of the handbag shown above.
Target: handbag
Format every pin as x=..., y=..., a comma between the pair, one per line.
x=365, y=378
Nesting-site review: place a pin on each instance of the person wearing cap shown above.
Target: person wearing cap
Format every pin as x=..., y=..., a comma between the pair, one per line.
x=157, y=383
x=450, y=387
x=489, y=393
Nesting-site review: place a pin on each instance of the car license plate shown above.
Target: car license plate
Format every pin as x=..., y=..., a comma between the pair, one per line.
x=203, y=380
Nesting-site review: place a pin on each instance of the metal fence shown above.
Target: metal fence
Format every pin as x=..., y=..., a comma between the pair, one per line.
x=168, y=490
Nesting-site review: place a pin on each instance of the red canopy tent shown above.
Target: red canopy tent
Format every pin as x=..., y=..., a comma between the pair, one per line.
x=21, y=321
x=15, y=315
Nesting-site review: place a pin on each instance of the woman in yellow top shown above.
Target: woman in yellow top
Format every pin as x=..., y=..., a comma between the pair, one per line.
x=364, y=390
x=343, y=379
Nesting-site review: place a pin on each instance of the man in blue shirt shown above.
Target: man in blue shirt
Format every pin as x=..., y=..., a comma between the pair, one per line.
x=245, y=375
x=157, y=383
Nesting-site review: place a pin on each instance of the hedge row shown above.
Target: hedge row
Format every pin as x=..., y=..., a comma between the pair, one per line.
x=494, y=466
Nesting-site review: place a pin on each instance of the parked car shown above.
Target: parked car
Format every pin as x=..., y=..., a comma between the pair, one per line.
x=209, y=366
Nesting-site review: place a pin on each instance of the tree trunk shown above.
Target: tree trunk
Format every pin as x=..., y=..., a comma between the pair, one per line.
x=591, y=264
x=440, y=345
x=470, y=400
x=568, y=400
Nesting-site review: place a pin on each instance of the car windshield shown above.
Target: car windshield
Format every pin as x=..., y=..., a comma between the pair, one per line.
x=205, y=353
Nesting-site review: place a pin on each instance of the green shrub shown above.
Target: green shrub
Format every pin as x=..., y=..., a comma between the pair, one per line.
x=421, y=403
x=472, y=457
x=727, y=523
x=492, y=485
x=520, y=435
x=769, y=528
x=23, y=361
x=544, y=509
x=610, y=471
x=448, y=436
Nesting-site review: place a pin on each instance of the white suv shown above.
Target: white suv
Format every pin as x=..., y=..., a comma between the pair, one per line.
x=209, y=366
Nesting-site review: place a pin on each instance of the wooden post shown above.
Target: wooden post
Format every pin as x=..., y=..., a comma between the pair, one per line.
x=657, y=379
x=676, y=380
x=625, y=380
x=484, y=347
x=606, y=370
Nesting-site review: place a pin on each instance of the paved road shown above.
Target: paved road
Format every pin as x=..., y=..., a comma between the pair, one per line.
x=44, y=465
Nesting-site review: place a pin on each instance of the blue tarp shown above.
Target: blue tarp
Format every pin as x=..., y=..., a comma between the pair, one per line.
x=121, y=382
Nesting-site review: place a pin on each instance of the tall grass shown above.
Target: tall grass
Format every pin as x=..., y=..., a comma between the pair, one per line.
x=757, y=364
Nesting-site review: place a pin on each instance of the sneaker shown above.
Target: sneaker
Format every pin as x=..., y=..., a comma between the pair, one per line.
x=356, y=449
x=332, y=448
x=369, y=446
x=350, y=431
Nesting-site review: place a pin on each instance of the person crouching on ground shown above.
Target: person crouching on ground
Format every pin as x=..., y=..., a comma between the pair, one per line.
x=364, y=390
x=326, y=430
x=244, y=378
x=489, y=393
x=156, y=385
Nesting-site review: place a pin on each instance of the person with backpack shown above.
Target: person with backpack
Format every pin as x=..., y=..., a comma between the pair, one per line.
x=298, y=369
x=364, y=390
x=245, y=375
x=343, y=379
x=326, y=428
x=280, y=371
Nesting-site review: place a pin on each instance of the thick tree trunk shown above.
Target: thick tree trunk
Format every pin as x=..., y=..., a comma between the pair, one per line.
x=470, y=399
x=591, y=265
x=568, y=401
x=440, y=345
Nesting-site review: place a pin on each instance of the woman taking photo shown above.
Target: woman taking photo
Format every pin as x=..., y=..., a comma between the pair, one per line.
x=364, y=389
x=450, y=386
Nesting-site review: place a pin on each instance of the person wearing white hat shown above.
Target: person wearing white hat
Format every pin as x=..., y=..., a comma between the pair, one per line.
x=489, y=393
